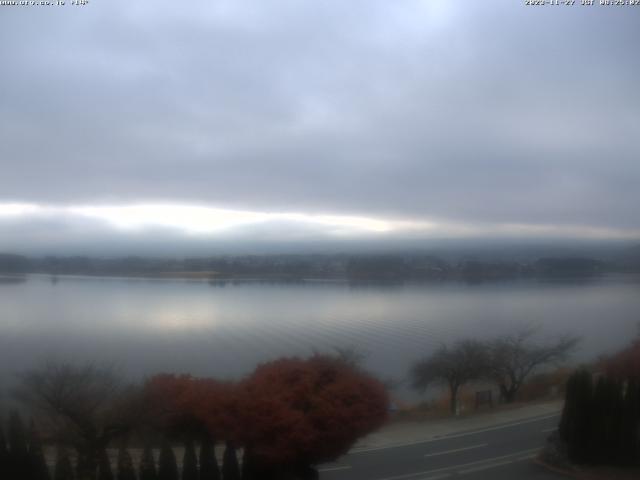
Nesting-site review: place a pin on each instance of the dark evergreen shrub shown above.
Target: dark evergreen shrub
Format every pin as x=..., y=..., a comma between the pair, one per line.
x=601, y=424
x=18, y=464
x=63, y=469
x=575, y=424
x=4, y=455
x=230, y=467
x=254, y=468
x=209, y=469
x=249, y=467
x=630, y=431
x=87, y=463
x=104, y=466
x=600, y=428
x=614, y=449
x=147, y=465
x=125, y=465
x=37, y=464
x=189, y=462
x=167, y=466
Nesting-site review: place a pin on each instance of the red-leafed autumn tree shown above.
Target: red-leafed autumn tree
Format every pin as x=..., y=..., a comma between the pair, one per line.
x=186, y=405
x=215, y=403
x=167, y=397
x=297, y=413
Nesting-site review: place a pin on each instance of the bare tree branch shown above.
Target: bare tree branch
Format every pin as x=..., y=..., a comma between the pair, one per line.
x=86, y=406
x=454, y=366
x=514, y=357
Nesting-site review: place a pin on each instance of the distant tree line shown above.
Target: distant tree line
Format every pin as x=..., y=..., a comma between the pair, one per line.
x=379, y=267
x=288, y=416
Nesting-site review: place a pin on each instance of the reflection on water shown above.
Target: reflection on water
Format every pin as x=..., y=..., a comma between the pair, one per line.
x=146, y=325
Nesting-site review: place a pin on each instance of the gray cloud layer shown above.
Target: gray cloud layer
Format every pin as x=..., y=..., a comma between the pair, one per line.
x=456, y=111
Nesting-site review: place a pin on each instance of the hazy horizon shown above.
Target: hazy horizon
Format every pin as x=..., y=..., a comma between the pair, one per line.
x=228, y=126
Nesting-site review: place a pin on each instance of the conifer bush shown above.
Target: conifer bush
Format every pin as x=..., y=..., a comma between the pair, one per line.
x=230, y=466
x=18, y=460
x=190, y=462
x=209, y=469
x=104, y=466
x=37, y=464
x=147, y=468
x=125, y=465
x=167, y=465
x=4, y=455
x=63, y=469
x=601, y=424
x=576, y=422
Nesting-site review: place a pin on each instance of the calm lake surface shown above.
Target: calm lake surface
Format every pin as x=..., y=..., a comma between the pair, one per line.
x=147, y=325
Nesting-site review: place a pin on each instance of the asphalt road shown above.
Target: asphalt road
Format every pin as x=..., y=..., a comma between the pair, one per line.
x=499, y=452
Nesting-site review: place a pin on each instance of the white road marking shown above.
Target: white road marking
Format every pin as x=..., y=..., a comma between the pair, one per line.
x=526, y=457
x=510, y=456
x=496, y=464
x=457, y=435
x=416, y=474
x=496, y=461
x=438, y=477
x=484, y=467
x=445, y=452
x=334, y=469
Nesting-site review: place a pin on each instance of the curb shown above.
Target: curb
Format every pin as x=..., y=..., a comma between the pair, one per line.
x=555, y=469
x=577, y=473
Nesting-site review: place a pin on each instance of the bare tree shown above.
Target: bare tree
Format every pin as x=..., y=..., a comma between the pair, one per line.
x=86, y=406
x=454, y=366
x=514, y=357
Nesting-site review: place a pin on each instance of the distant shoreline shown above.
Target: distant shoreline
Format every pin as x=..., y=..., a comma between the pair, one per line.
x=13, y=278
x=363, y=268
x=201, y=276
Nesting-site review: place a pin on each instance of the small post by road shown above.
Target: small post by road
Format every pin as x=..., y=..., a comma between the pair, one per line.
x=484, y=397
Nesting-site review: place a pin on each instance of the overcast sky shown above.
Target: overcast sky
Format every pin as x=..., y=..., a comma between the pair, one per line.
x=229, y=122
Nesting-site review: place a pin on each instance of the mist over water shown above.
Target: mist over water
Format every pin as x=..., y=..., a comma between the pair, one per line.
x=145, y=326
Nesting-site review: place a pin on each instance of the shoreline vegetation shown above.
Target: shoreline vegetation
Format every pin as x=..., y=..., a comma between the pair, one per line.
x=278, y=423
x=389, y=268
x=222, y=280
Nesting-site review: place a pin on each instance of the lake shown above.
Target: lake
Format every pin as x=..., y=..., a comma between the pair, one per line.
x=149, y=325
